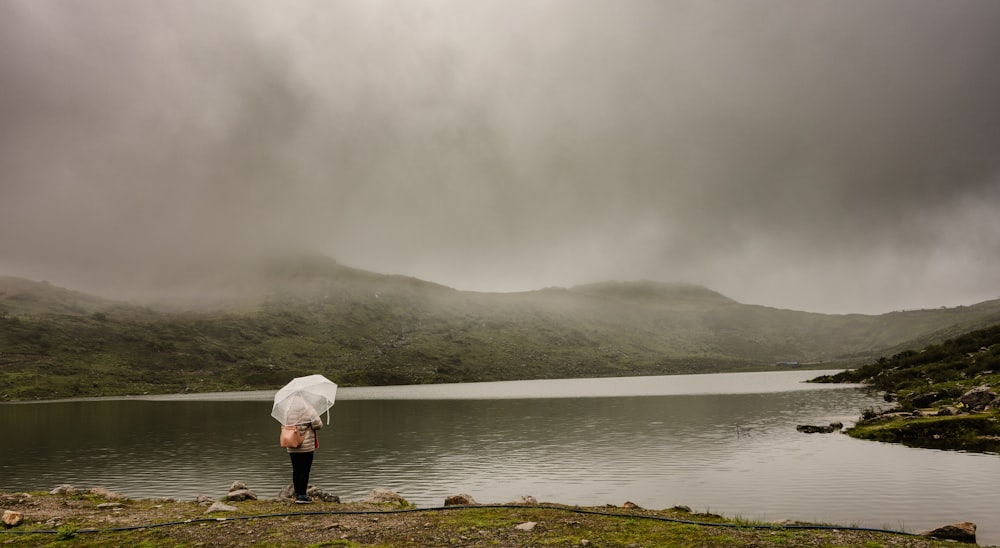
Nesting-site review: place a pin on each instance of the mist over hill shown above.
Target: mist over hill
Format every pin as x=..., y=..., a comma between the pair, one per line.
x=256, y=326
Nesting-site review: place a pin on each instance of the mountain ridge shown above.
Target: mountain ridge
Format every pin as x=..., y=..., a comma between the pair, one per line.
x=267, y=324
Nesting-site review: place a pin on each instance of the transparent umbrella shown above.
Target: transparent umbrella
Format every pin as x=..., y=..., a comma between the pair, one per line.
x=304, y=398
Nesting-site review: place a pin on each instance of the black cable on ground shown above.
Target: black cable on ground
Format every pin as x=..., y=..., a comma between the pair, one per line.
x=776, y=527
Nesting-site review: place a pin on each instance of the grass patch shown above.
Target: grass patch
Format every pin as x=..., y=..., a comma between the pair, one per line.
x=976, y=432
x=354, y=524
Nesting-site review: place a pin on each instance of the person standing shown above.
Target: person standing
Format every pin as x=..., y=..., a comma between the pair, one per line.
x=302, y=456
x=297, y=406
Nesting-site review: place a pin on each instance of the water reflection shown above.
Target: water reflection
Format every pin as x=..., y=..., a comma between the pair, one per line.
x=735, y=453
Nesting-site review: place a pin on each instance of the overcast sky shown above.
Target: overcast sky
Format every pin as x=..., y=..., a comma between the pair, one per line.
x=838, y=156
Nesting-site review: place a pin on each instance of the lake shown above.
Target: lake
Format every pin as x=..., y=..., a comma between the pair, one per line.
x=724, y=443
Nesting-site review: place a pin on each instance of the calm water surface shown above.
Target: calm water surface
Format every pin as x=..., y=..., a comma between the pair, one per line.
x=724, y=443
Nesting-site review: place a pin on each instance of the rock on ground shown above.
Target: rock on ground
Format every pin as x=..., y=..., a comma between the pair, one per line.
x=962, y=532
x=220, y=507
x=239, y=491
x=460, y=500
x=978, y=398
x=288, y=493
x=63, y=489
x=12, y=518
x=241, y=494
x=383, y=496
x=526, y=499
x=320, y=494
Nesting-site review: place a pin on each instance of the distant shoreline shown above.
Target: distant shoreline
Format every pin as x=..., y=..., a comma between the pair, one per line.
x=626, y=386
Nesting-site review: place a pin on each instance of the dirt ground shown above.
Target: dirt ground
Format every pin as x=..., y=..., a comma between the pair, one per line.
x=88, y=519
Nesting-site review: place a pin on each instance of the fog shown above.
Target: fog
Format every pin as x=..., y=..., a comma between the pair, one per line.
x=823, y=156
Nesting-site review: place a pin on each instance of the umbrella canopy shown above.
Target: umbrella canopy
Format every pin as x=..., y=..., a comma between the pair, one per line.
x=303, y=399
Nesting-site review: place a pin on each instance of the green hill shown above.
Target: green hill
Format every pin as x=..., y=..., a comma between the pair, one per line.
x=257, y=326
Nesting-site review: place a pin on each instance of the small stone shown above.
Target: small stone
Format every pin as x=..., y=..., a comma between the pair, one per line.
x=682, y=508
x=237, y=486
x=383, y=496
x=63, y=489
x=12, y=518
x=526, y=499
x=320, y=494
x=220, y=507
x=287, y=492
x=241, y=494
x=631, y=505
x=109, y=505
x=526, y=526
x=460, y=500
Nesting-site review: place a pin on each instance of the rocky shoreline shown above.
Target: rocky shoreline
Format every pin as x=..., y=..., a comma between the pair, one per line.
x=944, y=396
x=384, y=518
x=970, y=422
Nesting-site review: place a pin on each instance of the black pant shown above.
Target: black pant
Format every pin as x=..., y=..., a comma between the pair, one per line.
x=301, y=465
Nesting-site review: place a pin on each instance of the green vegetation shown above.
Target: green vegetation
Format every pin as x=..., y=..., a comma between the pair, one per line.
x=66, y=532
x=927, y=387
x=980, y=432
x=313, y=315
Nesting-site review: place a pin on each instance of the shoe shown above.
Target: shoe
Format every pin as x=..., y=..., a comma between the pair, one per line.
x=303, y=499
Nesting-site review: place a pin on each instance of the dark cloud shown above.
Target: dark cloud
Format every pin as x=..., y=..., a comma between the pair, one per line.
x=821, y=156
